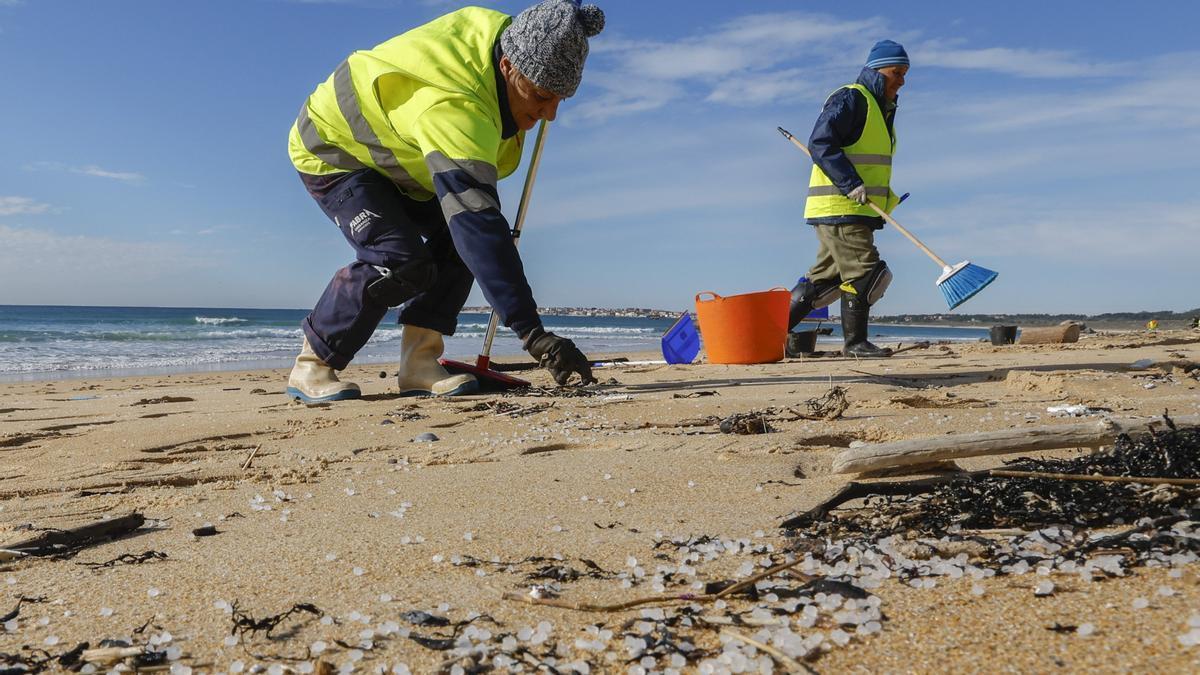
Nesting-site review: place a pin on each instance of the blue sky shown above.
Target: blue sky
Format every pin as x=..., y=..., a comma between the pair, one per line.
x=1055, y=142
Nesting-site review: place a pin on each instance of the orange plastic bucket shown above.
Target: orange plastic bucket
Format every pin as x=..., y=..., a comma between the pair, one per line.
x=747, y=328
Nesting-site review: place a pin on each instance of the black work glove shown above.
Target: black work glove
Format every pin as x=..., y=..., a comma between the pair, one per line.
x=558, y=355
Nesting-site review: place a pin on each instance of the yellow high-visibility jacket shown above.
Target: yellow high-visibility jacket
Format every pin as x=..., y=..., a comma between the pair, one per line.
x=429, y=110
x=871, y=156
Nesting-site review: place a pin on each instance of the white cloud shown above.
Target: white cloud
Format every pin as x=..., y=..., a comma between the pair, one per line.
x=24, y=251
x=761, y=59
x=763, y=88
x=87, y=170
x=1154, y=100
x=750, y=43
x=10, y=206
x=751, y=60
x=102, y=270
x=620, y=95
x=99, y=172
x=1035, y=63
x=1121, y=238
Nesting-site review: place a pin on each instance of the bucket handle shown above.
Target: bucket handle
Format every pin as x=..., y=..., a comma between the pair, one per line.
x=715, y=296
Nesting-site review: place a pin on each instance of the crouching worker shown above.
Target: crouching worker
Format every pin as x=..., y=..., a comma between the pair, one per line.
x=851, y=146
x=402, y=147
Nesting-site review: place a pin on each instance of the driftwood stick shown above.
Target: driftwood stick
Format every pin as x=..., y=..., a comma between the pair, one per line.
x=52, y=542
x=856, y=490
x=109, y=655
x=1052, y=335
x=1005, y=473
x=1029, y=439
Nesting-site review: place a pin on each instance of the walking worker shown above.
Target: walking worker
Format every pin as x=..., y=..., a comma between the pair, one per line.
x=852, y=146
x=402, y=147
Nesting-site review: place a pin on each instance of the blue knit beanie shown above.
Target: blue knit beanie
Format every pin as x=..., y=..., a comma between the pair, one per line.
x=886, y=53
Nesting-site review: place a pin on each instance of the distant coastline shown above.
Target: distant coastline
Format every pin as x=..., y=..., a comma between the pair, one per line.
x=1111, y=320
x=626, y=312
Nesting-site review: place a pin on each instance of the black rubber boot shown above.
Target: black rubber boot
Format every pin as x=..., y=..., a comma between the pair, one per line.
x=802, y=303
x=802, y=306
x=855, y=313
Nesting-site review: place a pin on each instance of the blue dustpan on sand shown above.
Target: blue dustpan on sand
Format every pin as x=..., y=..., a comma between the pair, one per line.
x=681, y=342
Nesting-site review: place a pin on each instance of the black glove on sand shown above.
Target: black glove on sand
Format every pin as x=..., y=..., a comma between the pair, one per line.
x=558, y=355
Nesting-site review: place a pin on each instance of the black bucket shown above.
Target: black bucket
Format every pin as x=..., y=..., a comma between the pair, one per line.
x=803, y=342
x=1004, y=335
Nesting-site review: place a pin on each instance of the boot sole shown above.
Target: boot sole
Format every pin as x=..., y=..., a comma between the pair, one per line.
x=346, y=395
x=461, y=390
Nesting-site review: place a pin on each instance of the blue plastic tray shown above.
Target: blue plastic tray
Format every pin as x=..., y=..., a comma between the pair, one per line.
x=681, y=342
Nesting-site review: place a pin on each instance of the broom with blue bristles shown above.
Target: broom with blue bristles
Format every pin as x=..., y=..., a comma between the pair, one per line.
x=958, y=283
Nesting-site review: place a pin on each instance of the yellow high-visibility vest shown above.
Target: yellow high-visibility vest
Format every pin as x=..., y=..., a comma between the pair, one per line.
x=871, y=156
x=416, y=105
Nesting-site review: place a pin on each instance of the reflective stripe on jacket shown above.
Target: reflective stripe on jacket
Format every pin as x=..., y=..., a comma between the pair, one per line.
x=871, y=156
x=411, y=104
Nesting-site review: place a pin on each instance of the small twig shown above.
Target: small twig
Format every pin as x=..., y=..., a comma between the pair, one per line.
x=791, y=664
x=250, y=458
x=590, y=607
x=1005, y=473
x=630, y=604
x=448, y=663
x=718, y=620
x=756, y=578
x=918, y=345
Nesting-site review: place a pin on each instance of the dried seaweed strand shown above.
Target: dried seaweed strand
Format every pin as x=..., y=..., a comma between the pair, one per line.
x=127, y=559
x=1004, y=473
x=244, y=623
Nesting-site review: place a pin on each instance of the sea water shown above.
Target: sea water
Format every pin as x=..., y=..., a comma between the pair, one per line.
x=45, y=342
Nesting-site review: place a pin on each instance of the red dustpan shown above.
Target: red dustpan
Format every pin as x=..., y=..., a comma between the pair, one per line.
x=491, y=380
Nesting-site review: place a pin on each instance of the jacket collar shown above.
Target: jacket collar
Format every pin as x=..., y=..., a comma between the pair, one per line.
x=508, y=126
x=877, y=85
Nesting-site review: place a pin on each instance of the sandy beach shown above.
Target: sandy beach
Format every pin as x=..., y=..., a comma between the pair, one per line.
x=348, y=515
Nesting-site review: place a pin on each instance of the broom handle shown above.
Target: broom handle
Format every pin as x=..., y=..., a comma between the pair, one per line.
x=881, y=212
x=530, y=175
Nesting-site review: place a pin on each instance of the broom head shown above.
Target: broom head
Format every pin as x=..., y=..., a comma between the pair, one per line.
x=961, y=282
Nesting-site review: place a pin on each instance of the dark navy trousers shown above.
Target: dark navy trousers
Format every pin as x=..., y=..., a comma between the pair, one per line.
x=388, y=229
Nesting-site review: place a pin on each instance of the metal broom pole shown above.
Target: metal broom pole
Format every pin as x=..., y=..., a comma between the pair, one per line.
x=484, y=358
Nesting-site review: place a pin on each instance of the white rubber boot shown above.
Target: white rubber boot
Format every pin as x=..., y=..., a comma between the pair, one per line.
x=421, y=374
x=312, y=381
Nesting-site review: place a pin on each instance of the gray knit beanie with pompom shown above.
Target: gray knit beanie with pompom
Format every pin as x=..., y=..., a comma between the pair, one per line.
x=548, y=43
